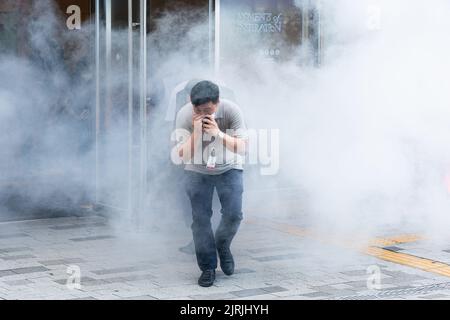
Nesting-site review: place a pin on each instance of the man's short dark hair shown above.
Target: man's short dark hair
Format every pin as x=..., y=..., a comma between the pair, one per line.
x=204, y=92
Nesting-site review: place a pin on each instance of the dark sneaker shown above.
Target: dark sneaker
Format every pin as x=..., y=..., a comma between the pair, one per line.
x=207, y=278
x=188, y=249
x=226, y=260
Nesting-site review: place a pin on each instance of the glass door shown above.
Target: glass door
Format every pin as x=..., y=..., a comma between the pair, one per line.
x=123, y=47
x=121, y=109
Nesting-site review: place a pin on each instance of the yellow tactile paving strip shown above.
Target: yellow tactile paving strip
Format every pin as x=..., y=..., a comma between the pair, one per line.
x=373, y=247
x=424, y=264
x=384, y=242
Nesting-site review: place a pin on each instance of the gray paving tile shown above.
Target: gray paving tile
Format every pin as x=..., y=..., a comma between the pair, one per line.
x=137, y=277
x=279, y=257
x=91, y=238
x=61, y=261
x=435, y=296
x=83, y=281
x=243, y=270
x=94, y=282
x=14, y=249
x=266, y=249
x=315, y=295
x=18, y=282
x=13, y=235
x=5, y=273
x=145, y=297
x=341, y=293
x=355, y=272
x=248, y=292
x=18, y=257
x=77, y=226
x=402, y=276
x=115, y=279
x=214, y=296
x=29, y=269
x=274, y=289
x=257, y=291
x=122, y=269
x=362, y=284
x=61, y=281
x=325, y=288
x=398, y=288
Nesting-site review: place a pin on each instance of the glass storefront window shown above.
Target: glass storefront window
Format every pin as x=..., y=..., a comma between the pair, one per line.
x=273, y=29
x=106, y=62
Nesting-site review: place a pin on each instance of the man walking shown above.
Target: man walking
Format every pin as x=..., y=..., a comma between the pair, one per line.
x=213, y=143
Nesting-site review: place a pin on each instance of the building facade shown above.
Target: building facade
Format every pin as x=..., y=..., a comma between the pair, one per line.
x=112, y=50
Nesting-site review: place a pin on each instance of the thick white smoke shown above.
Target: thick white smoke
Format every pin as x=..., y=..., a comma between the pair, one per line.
x=363, y=139
x=366, y=135
x=43, y=114
x=378, y=118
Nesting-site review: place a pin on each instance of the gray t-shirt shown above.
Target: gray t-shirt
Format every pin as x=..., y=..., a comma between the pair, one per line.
x=230, y=120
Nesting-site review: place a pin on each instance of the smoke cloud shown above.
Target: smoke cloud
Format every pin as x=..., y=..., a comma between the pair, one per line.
x=363, y=145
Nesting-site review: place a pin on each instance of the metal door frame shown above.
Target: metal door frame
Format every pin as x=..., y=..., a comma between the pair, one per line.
x=133, y=207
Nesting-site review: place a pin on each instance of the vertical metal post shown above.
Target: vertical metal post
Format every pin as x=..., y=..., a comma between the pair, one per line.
x=305, y=26
x=143, y=107
x=108, y=106
x=97, y=96
x=217, y=38
x=211, y=32
x=130, y=108
x=319, y=32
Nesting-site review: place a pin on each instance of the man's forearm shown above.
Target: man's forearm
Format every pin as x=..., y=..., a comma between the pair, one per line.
x=234, y=144
x=186, y=151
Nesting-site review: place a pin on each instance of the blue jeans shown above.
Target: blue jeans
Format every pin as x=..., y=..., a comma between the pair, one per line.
x=200, y=190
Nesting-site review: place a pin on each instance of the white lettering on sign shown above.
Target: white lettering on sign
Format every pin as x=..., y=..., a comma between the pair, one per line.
x=264, y=22
x=74, y=20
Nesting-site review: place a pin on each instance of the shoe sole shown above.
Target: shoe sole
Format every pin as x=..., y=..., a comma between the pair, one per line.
x=205, y=285
x=227, y=273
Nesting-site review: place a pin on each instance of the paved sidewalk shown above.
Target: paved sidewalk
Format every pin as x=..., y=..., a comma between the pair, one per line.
x=40, y=259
